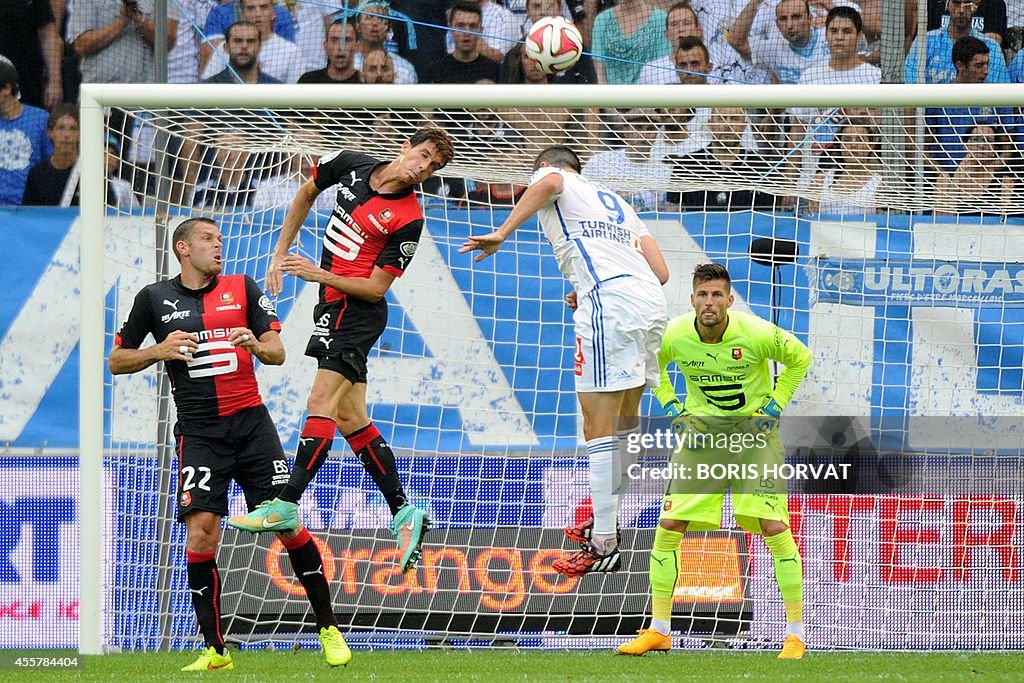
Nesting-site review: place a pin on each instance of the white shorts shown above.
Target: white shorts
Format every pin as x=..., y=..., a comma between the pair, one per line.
x=618, y=328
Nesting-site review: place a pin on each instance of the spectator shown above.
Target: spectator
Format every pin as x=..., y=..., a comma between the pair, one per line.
x=989, y=18
x=631, y=165
x=115, y=39
x=499, y=27
x=373, y=27
x=498, y=33
x=278, y=191
x=183, y=58
x=785, y=54
x=726, y=160
x=843, y=29
x=29, y=37
x=277, y=57
x=378, y=67
x=1016, y=69
x=228, y=12
x=939, y=66
x=244, y=47
x=948, y=126
x=119, y=191
x=339, y=46
x=419, y=30
x=466, y=64
x=312, y=19
x=685, y=130
x=53, y=181
x=726, y=64
x=23, y=138
x=230, y=184
x=982, y=178
x=871, y=14
x=851, y=172
x=631, y=33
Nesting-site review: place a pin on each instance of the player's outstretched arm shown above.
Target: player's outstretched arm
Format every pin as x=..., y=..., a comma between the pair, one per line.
x=370, y=289
x=297, y=214
x=533, y=200
x=178, y=345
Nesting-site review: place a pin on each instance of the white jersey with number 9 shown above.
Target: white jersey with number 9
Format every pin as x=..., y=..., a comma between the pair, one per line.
x=594, y=232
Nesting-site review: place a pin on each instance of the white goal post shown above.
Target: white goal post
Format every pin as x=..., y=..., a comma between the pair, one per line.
x=898, y=102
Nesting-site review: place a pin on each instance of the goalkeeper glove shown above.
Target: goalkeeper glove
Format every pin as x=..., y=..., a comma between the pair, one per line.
x=766, y=418
x=692, y=432
x=674, y=409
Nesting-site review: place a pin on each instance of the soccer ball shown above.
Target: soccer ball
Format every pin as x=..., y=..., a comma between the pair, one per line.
x=554, y=43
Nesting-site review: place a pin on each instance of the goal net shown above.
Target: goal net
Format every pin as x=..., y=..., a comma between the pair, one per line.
x=877, y=223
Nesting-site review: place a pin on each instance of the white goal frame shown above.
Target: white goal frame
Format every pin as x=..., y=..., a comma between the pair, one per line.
x=95, y=97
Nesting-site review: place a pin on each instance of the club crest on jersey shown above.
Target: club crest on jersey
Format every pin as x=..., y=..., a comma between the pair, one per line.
x=737, y=353
x=227, y=298
x=578, y=358
x=386, y=215
x=186, y=499
x=667, y=506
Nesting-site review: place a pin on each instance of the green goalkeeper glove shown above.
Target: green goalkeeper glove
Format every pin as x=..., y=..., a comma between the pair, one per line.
x=674, y=409
x=693, y=432
x=766, y=418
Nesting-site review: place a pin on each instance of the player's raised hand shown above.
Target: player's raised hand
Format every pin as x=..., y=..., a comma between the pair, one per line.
x=487, y=244
x=274, y=282
x=178, y=345
x=302, y=268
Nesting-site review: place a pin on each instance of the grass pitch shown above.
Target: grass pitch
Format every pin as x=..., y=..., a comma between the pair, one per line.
x=550, y=667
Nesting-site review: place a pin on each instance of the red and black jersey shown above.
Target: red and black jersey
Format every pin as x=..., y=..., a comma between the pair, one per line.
x=219, y=380
x=367, y=229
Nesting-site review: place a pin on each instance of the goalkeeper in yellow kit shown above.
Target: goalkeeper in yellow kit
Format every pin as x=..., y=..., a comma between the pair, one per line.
x=724, y=357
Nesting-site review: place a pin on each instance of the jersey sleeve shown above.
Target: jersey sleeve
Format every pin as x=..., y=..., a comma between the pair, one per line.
x=328, y=169
x=784, y=347
x=398, y=252
x=262, y=315
x=546, y=171
x=139, y=323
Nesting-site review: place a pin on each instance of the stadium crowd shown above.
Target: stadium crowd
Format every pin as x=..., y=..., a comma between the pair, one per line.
x=49, y=47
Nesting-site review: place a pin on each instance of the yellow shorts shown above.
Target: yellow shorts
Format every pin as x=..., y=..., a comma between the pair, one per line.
x=699, y=500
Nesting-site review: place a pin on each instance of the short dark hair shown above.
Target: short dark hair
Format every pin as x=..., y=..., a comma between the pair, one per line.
x=967, y=48
x=464, y=6
x=558, y=156
x=692, y=42
x=439, y=137
x=243, y=22
x=845, y=12
x=183, y=233
x=60, y=111
x=706, y=272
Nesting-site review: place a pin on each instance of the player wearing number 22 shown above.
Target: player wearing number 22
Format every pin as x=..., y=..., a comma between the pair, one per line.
x=369, y=241
x=724, y=357
x=208, y=327
x=617, y=270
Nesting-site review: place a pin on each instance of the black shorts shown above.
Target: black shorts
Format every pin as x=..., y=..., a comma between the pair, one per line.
x=343, y=334
x=244, y=447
